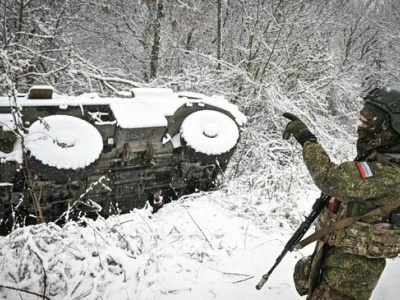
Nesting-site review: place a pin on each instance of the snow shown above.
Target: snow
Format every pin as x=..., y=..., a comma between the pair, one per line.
x=6, y=122
x=41, y=87
x=176, y=141
x=191, y=95
x=147, y=103
x=196, y=248
x=205, y=246
x=15, y=155
x=64, y=142
x=210, y=132
x=137, y=114
x=151, y=92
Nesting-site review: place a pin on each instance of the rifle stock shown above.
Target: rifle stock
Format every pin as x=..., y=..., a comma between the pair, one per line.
x=317, y=208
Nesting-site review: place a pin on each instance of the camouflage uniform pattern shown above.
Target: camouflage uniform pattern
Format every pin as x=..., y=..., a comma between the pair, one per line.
x=323, y=292
x=381, y=240
x=347, y=275
x=301, y=275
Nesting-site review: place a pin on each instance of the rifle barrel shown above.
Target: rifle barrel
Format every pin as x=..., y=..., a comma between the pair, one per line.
x=265, y=277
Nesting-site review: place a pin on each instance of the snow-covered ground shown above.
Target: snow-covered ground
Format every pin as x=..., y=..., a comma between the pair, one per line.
x=205, y=246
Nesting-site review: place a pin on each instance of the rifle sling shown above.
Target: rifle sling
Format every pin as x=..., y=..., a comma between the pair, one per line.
x=380, y=211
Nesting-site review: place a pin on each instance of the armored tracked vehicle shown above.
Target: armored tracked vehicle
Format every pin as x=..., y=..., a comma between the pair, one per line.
x=95, y=155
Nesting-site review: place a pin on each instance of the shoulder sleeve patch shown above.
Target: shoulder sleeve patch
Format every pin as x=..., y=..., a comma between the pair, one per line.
x=364, y=169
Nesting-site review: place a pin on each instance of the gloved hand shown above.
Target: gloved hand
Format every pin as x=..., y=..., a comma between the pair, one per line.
x=298, y=129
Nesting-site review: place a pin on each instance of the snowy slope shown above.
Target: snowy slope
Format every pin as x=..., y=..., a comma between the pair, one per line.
x=206, y=246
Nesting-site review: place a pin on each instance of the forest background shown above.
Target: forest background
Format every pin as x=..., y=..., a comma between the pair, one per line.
x=314, y=58
x=311, y=58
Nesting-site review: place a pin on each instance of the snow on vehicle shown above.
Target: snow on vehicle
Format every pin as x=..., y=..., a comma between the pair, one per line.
x=113, y=153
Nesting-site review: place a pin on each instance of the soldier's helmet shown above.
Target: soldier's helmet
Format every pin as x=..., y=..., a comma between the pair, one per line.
x=380, y=123
x=387, y=100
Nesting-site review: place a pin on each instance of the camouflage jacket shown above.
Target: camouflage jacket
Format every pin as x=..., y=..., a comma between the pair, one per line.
x=353, y=266
x=360, y=186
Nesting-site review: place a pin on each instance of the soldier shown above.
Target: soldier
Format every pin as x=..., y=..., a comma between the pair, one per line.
x=347, y=264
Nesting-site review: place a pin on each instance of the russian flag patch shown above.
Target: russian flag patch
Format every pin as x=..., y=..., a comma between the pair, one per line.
x=364, y=169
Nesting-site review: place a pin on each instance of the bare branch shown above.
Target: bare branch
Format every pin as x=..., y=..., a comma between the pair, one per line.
x=24, y=291
x=111, y=79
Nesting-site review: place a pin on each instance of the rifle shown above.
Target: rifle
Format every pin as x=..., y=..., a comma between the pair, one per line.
x=317, y=208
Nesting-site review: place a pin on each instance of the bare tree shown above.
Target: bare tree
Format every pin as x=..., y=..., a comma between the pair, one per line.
x=310, y=51
x=20, y=132
x=219, y=33
x=155, y=49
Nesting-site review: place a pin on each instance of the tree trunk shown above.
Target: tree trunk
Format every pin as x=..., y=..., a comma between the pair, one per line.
x=219, y=34
x=155, y=50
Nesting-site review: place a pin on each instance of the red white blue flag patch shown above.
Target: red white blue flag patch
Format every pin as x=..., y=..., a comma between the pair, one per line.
x=364, y=169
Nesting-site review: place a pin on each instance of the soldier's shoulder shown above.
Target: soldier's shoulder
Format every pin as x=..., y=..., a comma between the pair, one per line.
x=364, y=170
x=385, y=166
